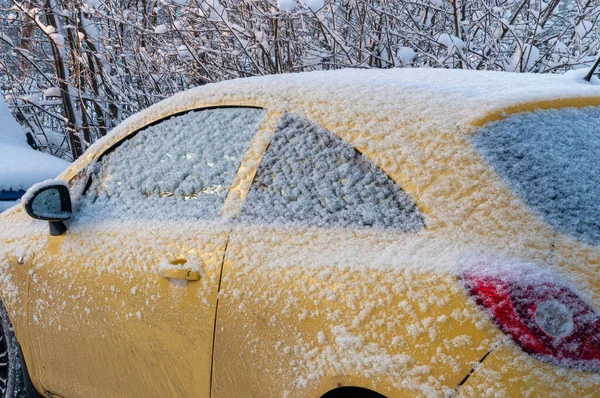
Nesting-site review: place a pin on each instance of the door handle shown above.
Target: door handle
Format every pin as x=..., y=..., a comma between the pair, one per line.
x=179, y=271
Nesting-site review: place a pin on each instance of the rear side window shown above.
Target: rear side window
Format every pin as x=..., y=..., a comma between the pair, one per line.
x=551, y=159
x=180, y=168
x=310, y=176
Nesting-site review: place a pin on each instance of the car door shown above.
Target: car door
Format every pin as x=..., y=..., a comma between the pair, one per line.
x=123, y=304
x=326, y=281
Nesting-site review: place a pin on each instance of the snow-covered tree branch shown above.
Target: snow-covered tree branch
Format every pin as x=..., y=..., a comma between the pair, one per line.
x=71, y=70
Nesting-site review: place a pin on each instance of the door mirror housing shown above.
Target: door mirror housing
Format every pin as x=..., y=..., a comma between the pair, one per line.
x=49, y=200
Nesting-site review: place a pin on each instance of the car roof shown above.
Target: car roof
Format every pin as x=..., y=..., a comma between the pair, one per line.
x=447, y=101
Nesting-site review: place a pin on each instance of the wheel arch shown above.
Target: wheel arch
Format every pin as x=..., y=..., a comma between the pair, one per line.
x=352, y=392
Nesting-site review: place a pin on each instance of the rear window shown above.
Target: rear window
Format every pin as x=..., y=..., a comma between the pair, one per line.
x=551, y=159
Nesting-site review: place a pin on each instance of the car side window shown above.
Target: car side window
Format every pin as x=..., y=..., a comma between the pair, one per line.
x=310, y=176
x=179, y=168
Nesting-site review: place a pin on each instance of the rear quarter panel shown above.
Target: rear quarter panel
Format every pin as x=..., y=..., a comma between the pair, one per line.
x=303, y=311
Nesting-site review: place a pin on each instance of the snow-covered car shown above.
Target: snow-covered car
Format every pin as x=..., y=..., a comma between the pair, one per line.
x=349, y=233
x=20, y=165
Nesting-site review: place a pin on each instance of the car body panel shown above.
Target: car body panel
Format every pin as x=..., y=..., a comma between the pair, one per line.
x=20, y=243
x=303, y=309
x=579, y=264
x=274, y=299
x=99, y=294
x=117, y=297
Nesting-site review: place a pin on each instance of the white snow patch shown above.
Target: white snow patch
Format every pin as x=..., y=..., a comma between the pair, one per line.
x=287, y=5
x=21, y=167
x=11, y=132
x=52, y=92
x=451, y=41
x=160, y=29
x=579, y=74
x=406, y=55
x=584, y=28
x=523, y=59
x=314, y=5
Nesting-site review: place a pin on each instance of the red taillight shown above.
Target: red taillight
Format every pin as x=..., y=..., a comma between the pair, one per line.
x=546, y=319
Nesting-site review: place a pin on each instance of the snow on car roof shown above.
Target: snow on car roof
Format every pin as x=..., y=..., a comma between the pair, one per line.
x=421, y=99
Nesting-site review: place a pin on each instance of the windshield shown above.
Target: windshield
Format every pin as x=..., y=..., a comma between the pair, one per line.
x=551, y=159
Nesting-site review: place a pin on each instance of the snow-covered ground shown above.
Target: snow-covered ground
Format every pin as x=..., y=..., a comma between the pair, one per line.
x=20, y=165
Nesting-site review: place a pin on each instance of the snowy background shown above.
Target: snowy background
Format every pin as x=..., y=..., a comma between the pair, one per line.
x=70, y=70
x=20, y=165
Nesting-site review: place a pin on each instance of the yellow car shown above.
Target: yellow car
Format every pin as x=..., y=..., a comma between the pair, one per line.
x=393, y=233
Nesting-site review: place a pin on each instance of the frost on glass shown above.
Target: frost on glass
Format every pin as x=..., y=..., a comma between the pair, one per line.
x=552, y=160
x=312, y=177
x=47, y=204
x=180, y=168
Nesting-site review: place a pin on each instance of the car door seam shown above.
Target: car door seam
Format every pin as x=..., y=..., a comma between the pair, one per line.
x=475, y=366
x=212, y=357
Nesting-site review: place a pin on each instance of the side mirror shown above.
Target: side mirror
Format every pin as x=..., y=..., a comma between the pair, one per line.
x=49, y=200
